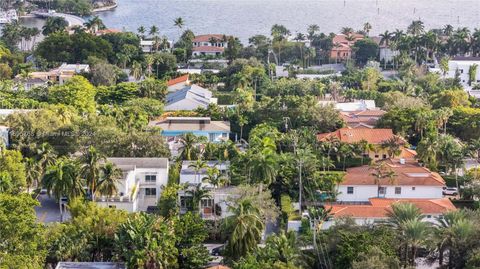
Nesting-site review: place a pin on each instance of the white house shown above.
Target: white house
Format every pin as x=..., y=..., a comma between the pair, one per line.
x=357, y=105
x=411, y=181
x=141, y=184
x=460, y=66
x=376, y=210
x=4, y=139
x=209, y=45
x=189, y=98
x=218, y=195
x=148, y=46
x=58, y=75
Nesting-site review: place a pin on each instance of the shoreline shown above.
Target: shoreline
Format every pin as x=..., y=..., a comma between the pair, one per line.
x=106, y=8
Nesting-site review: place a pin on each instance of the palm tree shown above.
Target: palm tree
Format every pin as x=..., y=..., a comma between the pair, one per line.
x=45, y=156
x=33, y=173
x=347, y=31
x=413, y=232
x=91, y=164
x=198, y=166
x=153, y=31
x=367, y=27
x=136, y=70
x=448, y=30
x=416, y=28
x=392, y=145
x=94, y=24
x=427, y=151
x=312, y=30
x=472, y=74
x=246, y=228
x=198, y=193
x=215, y=178
x=110, y=177
x=188, y=143
x=62, y=179
x=141, y=30
x=179, y=23
x=242, y=121
x=53, y=25
x=382, y=171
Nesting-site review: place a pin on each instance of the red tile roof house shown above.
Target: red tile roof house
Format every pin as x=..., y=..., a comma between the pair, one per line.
x=411, y=181
x=377, y=210
x=375, y=137
x=178, y=83
x=203, y=46
x=342, y=47
x=362, y=119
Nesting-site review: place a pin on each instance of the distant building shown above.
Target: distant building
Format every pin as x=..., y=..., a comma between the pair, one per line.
x=59, y=75
x=460, y=66
x=374, y=137
x=4, y=136
x=141, y=184
x=172, y=128
x=342, y=46
x=148, y=46
x=363, y=118
x=178, y=83
x=189, y=98
x=411, y=181
x=90, y=265
x=209, y=45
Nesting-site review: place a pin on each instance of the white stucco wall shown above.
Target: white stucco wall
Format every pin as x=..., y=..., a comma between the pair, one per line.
x=463, y=68
x=364, y=192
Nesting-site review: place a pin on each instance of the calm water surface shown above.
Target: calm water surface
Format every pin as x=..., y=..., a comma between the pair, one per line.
x=244, y=18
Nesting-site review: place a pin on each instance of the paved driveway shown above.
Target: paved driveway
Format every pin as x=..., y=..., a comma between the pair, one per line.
x=48, y=211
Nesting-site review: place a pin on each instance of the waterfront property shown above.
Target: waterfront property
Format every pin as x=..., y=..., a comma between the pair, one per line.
x=376, y=210
x=461, y=67
x=409, y=181
x=342, y=46
x=189, y=98
x=141, y=184
x=209, y=45
x=58, y=75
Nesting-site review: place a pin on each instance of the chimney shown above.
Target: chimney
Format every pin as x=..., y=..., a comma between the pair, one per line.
x=402, y=160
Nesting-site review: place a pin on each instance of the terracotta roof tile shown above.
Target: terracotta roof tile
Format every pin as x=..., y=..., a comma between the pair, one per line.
x=348, y=135
x=409, y=174
x=180, y=79
x=206, y=38
x=380, y=207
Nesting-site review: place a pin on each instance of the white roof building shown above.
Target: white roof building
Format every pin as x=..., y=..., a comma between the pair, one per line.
x=141, y=184
x=358, y=105
x=189, y=98
x=461, y=66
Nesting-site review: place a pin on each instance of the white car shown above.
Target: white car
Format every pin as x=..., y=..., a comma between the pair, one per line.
x=450, y=191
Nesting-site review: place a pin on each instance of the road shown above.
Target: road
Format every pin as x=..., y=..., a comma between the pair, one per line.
x=48, y=211
x=71, y=19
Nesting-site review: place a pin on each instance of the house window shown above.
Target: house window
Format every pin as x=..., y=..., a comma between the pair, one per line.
x=186, y=202
x=398, y=190
x=384, y=156
x=207, y=202
x=211, y=137
x=349, y=190
x=112, y=206
x=413, y=188
x=382, y=190
x=151, y=178
x=150, y=192
x=224, y=135
x=376, y=155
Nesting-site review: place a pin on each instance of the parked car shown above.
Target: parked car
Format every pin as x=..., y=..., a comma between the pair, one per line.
x=450, y=191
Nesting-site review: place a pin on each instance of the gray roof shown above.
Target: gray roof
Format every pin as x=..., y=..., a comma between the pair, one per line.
x=192, y=92
x=90, y=265
x=127, y=164
x=187, y=124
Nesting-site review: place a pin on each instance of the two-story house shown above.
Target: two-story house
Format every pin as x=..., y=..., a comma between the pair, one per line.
x=215, y=205
x=209, y=45
x=141, y=184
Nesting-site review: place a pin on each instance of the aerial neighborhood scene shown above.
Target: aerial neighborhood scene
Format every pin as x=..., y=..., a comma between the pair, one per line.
x=248, y=134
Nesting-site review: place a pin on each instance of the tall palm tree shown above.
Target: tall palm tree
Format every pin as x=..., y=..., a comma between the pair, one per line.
x=94, y=24
x=312, y=30
x=215, y=178
x=198, y=193
x=246, y=228
x=367, y=27
x=198, y=166
x=382, y=171
x=110, y=177
x=188, y=149
x=141, y=31
x=427, y=151
x=45, y=156
x=62, y=179
x=413, y=232
x=416, y=28
x=136, y=70
x=153, y=31
x=91, y=163
x=472, y=74
x=33, y=173
x=392, y=145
